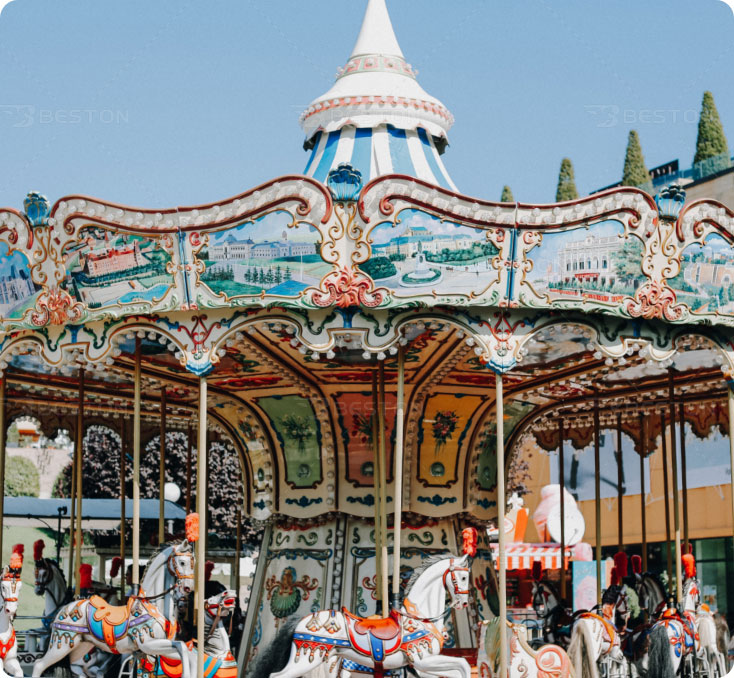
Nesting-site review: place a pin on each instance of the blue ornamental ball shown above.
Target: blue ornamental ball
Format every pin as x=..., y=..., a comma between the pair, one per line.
x=344, y=182
x=37, y=208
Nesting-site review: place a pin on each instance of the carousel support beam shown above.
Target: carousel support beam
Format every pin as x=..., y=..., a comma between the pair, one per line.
x=597, y=502
x=3, y=435
x=376, y=476
x=562, y=480
x=201, y=509
x=676, y=498
x=620, y=488
x=136, y=469
x=501, y=556
x=643, y=506
x=79, y=463
x=684, y=473
x=385, y=597
x=666, y=492
x=162, y=471
x=398, y=473
x=123, y=521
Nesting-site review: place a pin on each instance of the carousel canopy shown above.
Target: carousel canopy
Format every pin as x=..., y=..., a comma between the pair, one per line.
x=376, y=116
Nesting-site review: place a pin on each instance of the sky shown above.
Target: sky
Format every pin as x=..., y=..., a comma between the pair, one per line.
x=180, y=102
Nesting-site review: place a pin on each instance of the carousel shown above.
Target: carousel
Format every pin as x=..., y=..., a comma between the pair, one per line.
x=381, y=351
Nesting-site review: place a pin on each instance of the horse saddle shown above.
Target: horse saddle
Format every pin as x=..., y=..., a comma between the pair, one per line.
x=376, y=637
x=108, y=623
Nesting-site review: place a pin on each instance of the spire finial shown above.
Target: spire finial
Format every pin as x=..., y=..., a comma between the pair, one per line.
x=377, y=35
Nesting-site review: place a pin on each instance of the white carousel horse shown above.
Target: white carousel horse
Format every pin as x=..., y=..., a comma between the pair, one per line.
x=523, y=660
x=218, y=659
x=147, y=624
x=412, y=636
x=10, y=586
x=554, y=616
x=596, y=641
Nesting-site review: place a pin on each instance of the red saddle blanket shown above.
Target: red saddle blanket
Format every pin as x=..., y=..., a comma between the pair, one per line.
x=375, y=637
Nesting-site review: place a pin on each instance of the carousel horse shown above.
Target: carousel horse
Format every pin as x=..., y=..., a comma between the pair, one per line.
x=10, y=586
x=683, y=642
x=523, y=660
x=147, y=624
x=218, y=659
x=411, y=636
x=650, y=592
x=557, y=620
x=596, y=639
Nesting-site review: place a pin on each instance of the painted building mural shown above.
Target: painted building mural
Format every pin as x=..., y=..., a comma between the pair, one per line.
x=18, y=292
x=263, y=256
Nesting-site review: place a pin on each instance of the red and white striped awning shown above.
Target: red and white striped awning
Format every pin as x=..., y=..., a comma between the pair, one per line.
x=520, y=556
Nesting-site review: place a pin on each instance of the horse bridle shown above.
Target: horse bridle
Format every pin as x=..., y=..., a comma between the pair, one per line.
x=452, y=571
x=48, y=578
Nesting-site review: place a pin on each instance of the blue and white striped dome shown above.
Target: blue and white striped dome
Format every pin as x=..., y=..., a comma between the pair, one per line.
x=376, y=116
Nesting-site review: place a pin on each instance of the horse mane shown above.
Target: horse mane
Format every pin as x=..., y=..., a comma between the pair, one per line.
x=428, y=562
x=158, y=552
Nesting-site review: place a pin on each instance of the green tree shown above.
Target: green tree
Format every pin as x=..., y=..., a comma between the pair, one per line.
x=628, y=260
x=711, y=139
x=507, y=195
x=21, y=478
x=566, y=182
x=635, y=173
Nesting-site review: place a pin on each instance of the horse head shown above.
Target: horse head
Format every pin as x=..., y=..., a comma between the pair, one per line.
x=691, y=594
x=456, y=581
x=43, y=575
x=10, y=586
x=221, y=604
x=181, y=566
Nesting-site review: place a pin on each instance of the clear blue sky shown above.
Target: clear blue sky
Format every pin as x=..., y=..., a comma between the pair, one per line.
x=175, y=102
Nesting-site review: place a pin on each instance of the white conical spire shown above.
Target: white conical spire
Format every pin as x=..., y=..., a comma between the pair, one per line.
x=377, y=35
x=376, y=116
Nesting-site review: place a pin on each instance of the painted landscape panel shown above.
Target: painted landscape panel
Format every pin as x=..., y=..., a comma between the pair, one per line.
x=264, y=256
x=104, y=268
x=597, y=264
x=422, y=253
x=17, y=291
x=705, y=280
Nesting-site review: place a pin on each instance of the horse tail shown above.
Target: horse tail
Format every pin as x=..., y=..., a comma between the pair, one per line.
x=275, y=656
x=580, y=651
x=660, y=664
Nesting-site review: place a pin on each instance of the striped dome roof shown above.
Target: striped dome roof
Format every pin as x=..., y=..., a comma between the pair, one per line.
x=376, y=116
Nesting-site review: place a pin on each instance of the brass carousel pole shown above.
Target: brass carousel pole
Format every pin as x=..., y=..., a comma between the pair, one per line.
x=597, y=502
x=643, y=517
x=398, y=473
x=189, y=463
x=79, y=463
x=383, y=493
x=122, y=507
x=676, y=499
x=72, y=504
x=684, y=473
x=376, y=476
x=730, y=394
x=501, y=556
x=620, y=481
x=136, y=471
x=201, y=508
x=3, y=436
x=162, y=471
x=562, y=479
x=667, y=504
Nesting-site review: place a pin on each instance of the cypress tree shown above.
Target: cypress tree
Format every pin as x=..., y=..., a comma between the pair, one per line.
x=507, y=195
x=566, y=183
x=635, y=173
x=711, y=139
